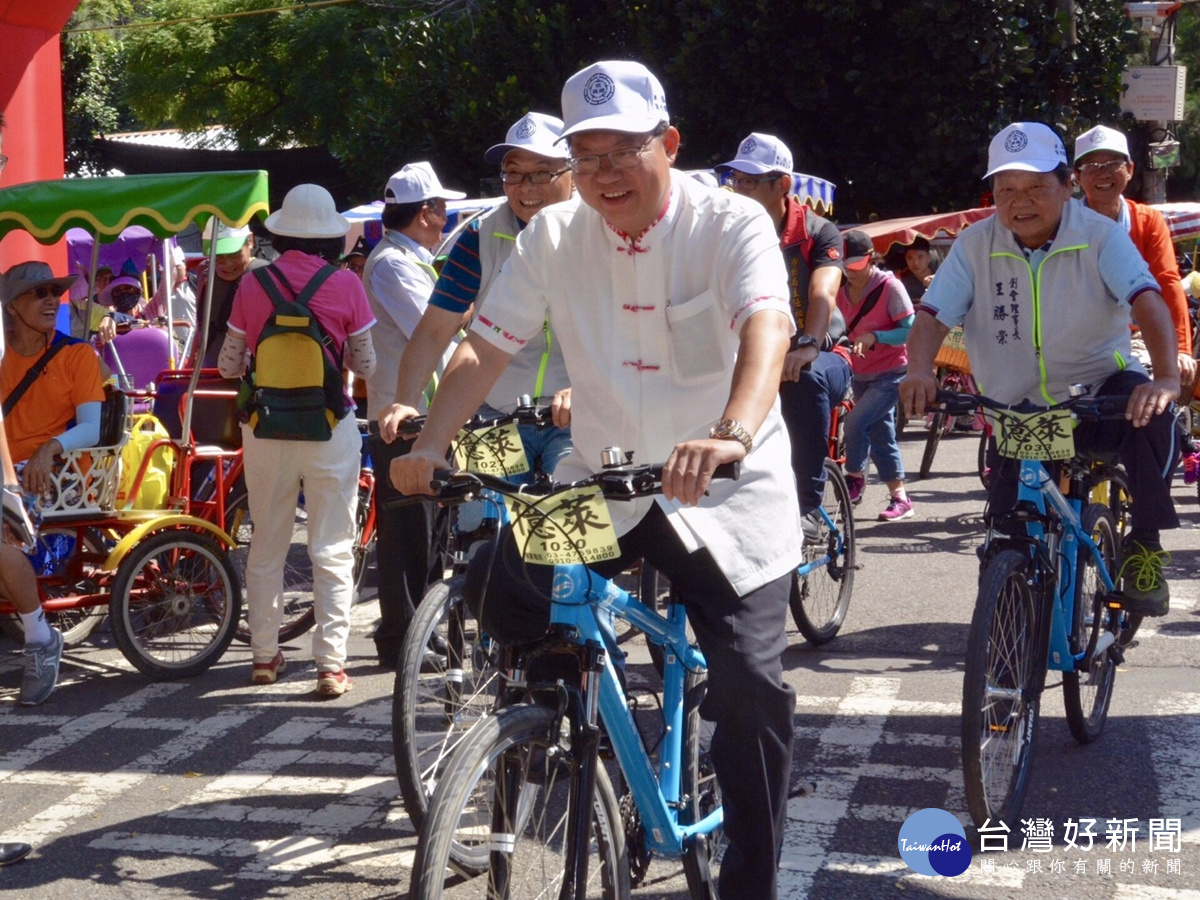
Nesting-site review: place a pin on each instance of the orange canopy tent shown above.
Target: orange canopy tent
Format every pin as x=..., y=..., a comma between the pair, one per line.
x=904, y=231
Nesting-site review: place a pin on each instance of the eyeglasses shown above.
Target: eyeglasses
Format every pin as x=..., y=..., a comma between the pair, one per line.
x=3, y=160
x=533, y=177
x=43, y=292
x=1100, y=168
x=745, y=183
x=617, y=159
x=437, y=206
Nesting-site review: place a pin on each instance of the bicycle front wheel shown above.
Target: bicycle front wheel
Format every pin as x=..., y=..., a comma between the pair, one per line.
x=821, y=597
x=938, y=425
x=175, y=604
x=1000, y=696
x=446, y=681
x=1088, y=690
x=502, y=810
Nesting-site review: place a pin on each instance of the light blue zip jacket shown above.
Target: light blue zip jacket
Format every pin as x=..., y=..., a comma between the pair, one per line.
x=1034, y=326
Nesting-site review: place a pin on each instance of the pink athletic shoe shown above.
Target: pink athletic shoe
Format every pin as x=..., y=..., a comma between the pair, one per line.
x=897, y=509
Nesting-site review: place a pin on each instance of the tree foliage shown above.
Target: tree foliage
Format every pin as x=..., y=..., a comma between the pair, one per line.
x=894, y=100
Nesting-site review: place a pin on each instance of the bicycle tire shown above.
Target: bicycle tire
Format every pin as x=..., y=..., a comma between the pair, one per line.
x=981, y=464
x=436, y=699
x=820, y=599
x=1113, y=483
x=78, y=572
x=936, y=428
x=299, y=616
x=175, y=604
x=1087, y=692
x=363, y=543
x=505, y=834
x=701, y=793
x=1000, y=690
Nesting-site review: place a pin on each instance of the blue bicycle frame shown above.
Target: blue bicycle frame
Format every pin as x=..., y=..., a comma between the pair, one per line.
x=1036, y=487
x=578, y=593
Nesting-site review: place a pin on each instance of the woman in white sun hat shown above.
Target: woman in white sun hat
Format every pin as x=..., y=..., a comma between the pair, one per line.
x=311, y=236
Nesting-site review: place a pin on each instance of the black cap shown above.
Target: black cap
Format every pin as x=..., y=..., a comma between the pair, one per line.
x=360, y=248
x=858, y=249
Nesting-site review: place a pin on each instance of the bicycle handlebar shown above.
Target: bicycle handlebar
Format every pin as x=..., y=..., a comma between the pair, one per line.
x=622, y=482
x=958, y=403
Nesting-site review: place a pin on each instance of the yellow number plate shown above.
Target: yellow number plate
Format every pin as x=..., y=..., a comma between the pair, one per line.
x=1041, y=435
x=571, y=527
x=491, y=451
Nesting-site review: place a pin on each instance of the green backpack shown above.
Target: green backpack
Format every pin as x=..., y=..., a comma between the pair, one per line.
x=295, y=376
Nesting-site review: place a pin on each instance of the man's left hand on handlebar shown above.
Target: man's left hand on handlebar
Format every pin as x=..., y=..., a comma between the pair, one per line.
x=689, y=469
x=1151, y=398
x=918, y=392
x=413, y=473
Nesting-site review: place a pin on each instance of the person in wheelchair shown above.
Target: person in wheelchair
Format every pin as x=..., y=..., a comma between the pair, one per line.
x=51, y=393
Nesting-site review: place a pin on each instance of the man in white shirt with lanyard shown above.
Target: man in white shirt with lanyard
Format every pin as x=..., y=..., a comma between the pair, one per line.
x=399, y=277
x=671, y=303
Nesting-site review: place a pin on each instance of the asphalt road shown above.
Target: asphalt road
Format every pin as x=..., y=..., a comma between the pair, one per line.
x=212, y=788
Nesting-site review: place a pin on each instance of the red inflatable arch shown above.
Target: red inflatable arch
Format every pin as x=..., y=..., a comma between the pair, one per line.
x=31, y=99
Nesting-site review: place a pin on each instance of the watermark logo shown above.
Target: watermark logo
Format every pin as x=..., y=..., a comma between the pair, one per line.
x=933, y=842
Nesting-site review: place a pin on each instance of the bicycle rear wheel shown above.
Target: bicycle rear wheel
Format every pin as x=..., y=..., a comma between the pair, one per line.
x=1000, y=690
x=298, y=614
x=68, y=563
x=1110, y=486
x=501, y=811
x=446, y=681
x=1088, y=690
x=821, y=598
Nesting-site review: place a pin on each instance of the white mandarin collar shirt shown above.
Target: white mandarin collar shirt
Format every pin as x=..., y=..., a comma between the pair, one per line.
x=649, y=331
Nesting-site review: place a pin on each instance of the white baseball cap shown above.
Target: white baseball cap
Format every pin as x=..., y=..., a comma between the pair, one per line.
x=229, y=240
x=759, y=154
x=308, y=211
x=417, y=182
x=1025, y=147
x=613, y=96
x=1101, y=138
x=535, y=132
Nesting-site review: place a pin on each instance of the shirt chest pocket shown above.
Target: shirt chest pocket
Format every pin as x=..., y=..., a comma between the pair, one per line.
x=698, y=345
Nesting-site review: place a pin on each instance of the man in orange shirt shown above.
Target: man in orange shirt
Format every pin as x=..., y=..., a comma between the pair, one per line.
x=1103, y=167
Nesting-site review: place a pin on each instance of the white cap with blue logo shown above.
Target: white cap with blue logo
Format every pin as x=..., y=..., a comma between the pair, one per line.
x=1025, y=147
x=1101, y=138
x=613, y=96
x=535, y=132
x=759, y=154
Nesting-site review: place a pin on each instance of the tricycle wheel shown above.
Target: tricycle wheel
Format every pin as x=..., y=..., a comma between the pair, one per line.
x=175, y=604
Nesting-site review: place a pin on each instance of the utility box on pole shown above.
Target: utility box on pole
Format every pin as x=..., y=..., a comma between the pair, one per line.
x=1154, y=93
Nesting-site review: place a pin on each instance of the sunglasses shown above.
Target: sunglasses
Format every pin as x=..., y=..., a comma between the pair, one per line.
x=43, y=292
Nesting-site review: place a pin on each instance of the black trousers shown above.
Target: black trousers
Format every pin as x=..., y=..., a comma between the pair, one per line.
x=743, y=639
x=1149, y=454
x=408, y=561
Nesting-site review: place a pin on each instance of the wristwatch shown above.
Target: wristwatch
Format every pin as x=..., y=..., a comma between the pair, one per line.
x=732, y=430
x=807, y=340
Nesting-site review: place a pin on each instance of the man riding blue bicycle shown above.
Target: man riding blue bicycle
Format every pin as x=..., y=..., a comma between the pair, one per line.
x=1046, y=291
x=670, y=300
